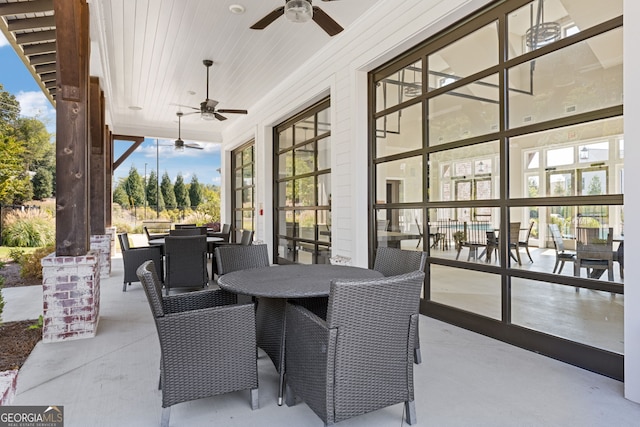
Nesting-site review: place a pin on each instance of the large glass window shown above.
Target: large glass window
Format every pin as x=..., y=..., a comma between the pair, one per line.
x=243, y=201
x=303, y=187
x=506, y=165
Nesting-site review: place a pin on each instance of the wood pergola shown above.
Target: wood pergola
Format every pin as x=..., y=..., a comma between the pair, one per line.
x=52, y=39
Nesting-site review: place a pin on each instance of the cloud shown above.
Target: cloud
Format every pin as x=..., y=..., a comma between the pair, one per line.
x=35, y=104
x=3, y=41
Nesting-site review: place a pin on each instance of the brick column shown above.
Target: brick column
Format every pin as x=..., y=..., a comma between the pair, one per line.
x=102, y=245
x=8, y=385
x=71, y=291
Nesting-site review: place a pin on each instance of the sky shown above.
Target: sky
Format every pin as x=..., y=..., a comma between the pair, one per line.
x=17, y=80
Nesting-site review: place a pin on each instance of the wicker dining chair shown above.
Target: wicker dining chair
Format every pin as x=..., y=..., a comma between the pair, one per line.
x=353, y=364
x=269, y=311
x=133, y=257
x=392, y=262
x=186, y=262
x=207, y=343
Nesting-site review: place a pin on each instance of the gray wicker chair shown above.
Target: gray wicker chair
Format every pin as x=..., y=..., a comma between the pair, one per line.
x=132, y=258
x=392, y=262
x=352, y=364
x=207, y=344
x=240, y=257
x=186, y=262
x=269, y=311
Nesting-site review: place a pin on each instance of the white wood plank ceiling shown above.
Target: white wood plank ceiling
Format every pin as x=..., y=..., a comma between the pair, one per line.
x=148, y=55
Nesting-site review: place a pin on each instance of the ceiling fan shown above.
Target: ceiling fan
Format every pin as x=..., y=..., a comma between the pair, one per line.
x=179, y=144
x=300, y=11
x=207, y=108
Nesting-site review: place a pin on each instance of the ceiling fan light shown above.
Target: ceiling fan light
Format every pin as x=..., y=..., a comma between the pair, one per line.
x=206, y=115
x=298, y=11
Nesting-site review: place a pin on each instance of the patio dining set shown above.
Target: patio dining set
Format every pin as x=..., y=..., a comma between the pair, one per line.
x=342, y=339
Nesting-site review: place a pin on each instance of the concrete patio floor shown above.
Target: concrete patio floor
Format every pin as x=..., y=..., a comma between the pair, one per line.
x=465, y=379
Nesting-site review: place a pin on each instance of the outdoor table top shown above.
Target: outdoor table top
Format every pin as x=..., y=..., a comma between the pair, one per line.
x=160, y=241
x=291, y=280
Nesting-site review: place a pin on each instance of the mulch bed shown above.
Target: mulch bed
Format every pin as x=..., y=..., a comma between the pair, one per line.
x=12, y=279
x=16, y=343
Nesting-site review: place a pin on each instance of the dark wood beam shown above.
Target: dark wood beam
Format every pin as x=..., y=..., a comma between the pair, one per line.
x=48, y=77
x=31, y=23
x=49, y=58
x=50, y=84
x=137, y=141
x=26, y=7
x=36, y=37
x=72, y=129
x=46, y=68
x=38, y=49
x=97, y=162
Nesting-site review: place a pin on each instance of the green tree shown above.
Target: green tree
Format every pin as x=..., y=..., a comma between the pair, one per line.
x=134, y=187
x=38, y=143
x=15, y=186
x=595, y=186
x=195, y=192
x=42, y=184
x=182, y=195
x=210, y=206
x=9, y=110
x=166, y=188
x=120, y=195
x=153, y=196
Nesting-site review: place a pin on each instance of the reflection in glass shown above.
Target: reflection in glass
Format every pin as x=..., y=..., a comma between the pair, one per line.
x=400, y=228
x=465, y=112
x=466, y=173
x=304, y=157
x=399, y=87
x=582, y=77
x=445, y=66
x=467, y=290
x=304, y=129
x=399, y=132
x=576, y=160
x=285, y=138
x=324, y=121
x=400, y=181
x=324, y=153
x=590, y=317
x=523, y=22
x=552, y=242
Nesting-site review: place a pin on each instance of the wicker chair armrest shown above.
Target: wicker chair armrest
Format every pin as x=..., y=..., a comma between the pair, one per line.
x=310, y=354
x=198, y=300
x=141, y=253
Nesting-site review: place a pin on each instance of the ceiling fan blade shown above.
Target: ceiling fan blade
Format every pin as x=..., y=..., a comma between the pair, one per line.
x=219, y=116
x=193, y=112
x=326, y=22
x=186, y=106
x=226, y=110
x=197, y=147
x=262, y=24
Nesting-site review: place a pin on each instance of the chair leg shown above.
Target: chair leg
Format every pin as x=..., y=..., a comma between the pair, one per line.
x=255, y=402
x=289, y=397
x=124, y=286
x=417, y=357
x=164, y=418
x=410, y=412
x=528, y=253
